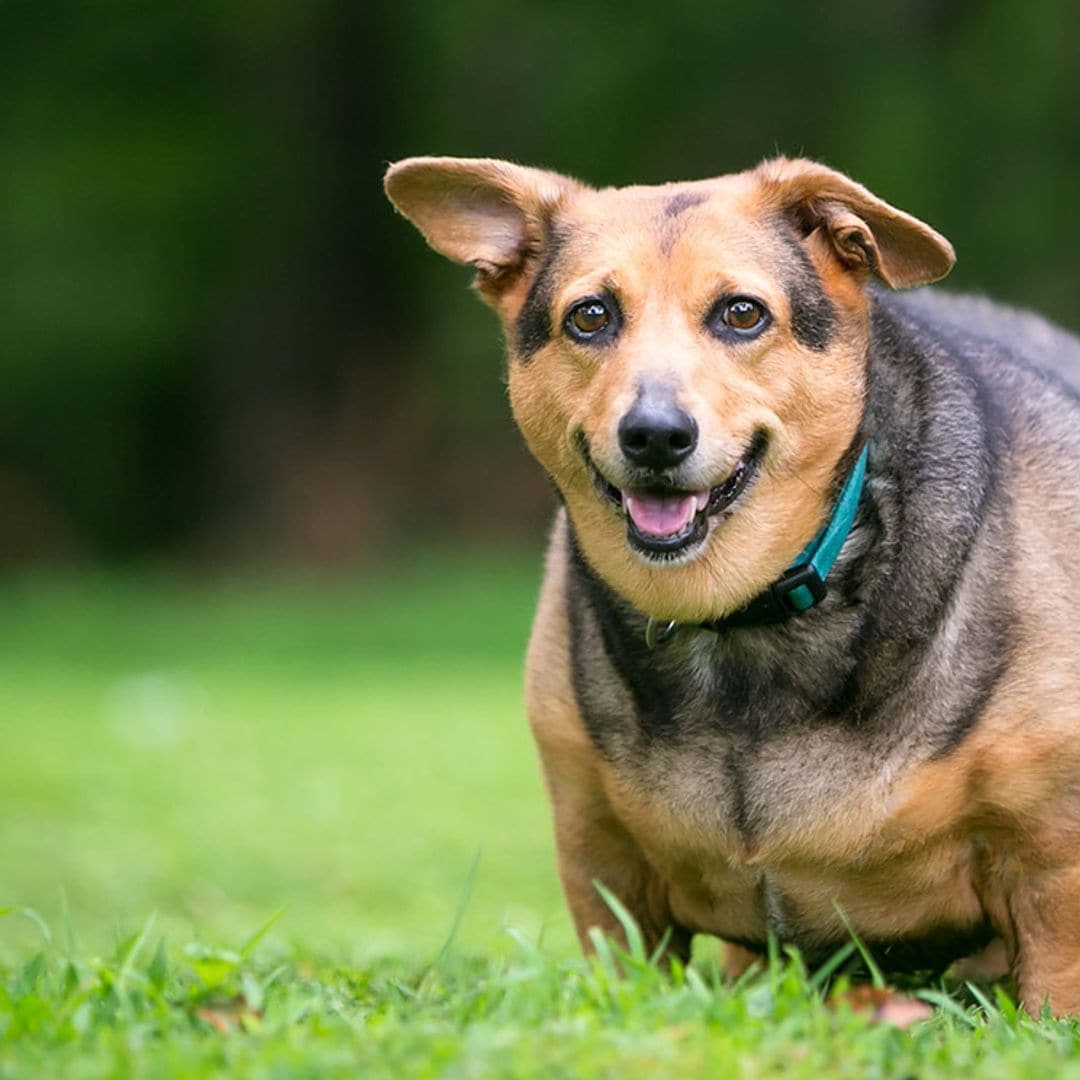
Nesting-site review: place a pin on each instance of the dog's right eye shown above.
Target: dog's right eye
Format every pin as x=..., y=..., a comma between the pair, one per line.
x=587, y=319
x=737, y=318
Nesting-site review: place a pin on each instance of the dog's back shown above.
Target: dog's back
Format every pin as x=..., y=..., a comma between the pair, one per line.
x=1026, y=335
x=1029, y=370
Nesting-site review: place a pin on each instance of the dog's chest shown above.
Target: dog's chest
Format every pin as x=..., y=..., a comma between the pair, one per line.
x=810, y=793
x=745, y=749
x=779, y=820
x=792, y=840
x=760, y=800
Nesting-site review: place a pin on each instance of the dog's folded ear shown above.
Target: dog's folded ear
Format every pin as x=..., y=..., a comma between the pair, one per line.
x=866, y=233
x=491, y=215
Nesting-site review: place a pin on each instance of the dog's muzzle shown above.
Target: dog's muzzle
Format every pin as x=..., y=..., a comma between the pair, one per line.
x=664, y=522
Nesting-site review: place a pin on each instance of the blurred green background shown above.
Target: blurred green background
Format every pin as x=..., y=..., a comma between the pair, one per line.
x=269, y=538
x=217, y=342
x=214, y=750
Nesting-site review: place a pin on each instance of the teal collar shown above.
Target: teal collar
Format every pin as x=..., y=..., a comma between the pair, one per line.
x=803, y=584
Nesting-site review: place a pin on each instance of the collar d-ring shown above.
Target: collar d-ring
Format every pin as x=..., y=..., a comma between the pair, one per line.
x=656, y=633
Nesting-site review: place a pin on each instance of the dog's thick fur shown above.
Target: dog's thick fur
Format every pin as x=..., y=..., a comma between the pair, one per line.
x=906, y=753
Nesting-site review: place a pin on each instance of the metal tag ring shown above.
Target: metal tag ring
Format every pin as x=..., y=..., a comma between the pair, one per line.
x=655, y=634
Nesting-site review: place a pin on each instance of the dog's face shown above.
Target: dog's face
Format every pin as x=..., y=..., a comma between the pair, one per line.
x=687, y=361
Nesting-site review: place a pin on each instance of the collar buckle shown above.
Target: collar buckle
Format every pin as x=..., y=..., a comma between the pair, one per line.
x=798, y=589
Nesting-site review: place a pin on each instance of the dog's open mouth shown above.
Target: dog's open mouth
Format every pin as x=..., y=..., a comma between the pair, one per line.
x=663, y=522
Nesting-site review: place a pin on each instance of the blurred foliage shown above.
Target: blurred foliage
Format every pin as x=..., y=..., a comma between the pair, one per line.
x=215, y=751
x=216, y=339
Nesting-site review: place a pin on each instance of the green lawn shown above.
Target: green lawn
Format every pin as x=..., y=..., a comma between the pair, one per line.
x=185, y=759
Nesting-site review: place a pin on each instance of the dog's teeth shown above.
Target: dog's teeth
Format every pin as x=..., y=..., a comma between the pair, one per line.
x=701, y=500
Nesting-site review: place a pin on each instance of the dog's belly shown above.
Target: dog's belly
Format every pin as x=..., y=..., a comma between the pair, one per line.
x=806, y=862
x=912, y=913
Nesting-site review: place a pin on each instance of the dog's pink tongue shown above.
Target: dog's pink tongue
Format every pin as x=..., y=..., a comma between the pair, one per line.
x=660, y=515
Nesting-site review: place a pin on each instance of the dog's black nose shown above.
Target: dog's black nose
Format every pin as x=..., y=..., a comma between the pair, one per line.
x=657, y=434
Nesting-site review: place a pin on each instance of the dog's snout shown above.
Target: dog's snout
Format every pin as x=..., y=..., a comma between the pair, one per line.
x=657, y=434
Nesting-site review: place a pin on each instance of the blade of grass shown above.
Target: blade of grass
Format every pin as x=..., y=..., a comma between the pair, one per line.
x=697, y=985
x=128, y=961
x=876, y=976
x=603, y=957
x=635, y=941
x=948, y=1005
x=459, y=915
x=39, y=922
x=824, y=973
x=528, y=948
x=661, y=948
x=249, y=946
x=30, y=974
x=158, y=972
x=66, y=923
x=989, y=1007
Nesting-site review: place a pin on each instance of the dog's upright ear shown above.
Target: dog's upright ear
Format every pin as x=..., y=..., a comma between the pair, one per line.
x=865, y=232
x=488, y=214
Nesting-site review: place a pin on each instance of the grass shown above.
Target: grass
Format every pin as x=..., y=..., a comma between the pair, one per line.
x=267, y=828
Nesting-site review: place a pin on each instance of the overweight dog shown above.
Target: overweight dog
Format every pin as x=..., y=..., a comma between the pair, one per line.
x=807, y=651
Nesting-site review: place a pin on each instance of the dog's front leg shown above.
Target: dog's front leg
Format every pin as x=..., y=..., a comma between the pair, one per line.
x=1045, y=910
x=593, y=846
x=592, y=843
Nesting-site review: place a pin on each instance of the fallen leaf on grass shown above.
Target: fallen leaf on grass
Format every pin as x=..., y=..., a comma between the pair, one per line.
x=885, y=1006
x=227, y=1016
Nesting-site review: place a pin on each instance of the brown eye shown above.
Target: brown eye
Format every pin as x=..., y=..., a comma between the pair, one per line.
x=743, y=314
x=588, y=318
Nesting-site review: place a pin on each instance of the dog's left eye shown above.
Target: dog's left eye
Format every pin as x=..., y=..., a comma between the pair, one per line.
x=587, y=319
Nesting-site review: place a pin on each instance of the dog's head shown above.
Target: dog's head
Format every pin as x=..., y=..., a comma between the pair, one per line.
x=688, y=361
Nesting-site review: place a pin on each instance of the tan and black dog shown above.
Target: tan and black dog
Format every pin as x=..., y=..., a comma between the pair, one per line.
x=704, y=370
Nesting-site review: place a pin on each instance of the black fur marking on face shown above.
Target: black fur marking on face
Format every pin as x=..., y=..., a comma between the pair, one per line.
x=813, y=316
x=669, y=226
x=533, y=328
x=685, y=200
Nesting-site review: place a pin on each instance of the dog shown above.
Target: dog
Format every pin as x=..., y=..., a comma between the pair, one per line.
x=806, y=659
